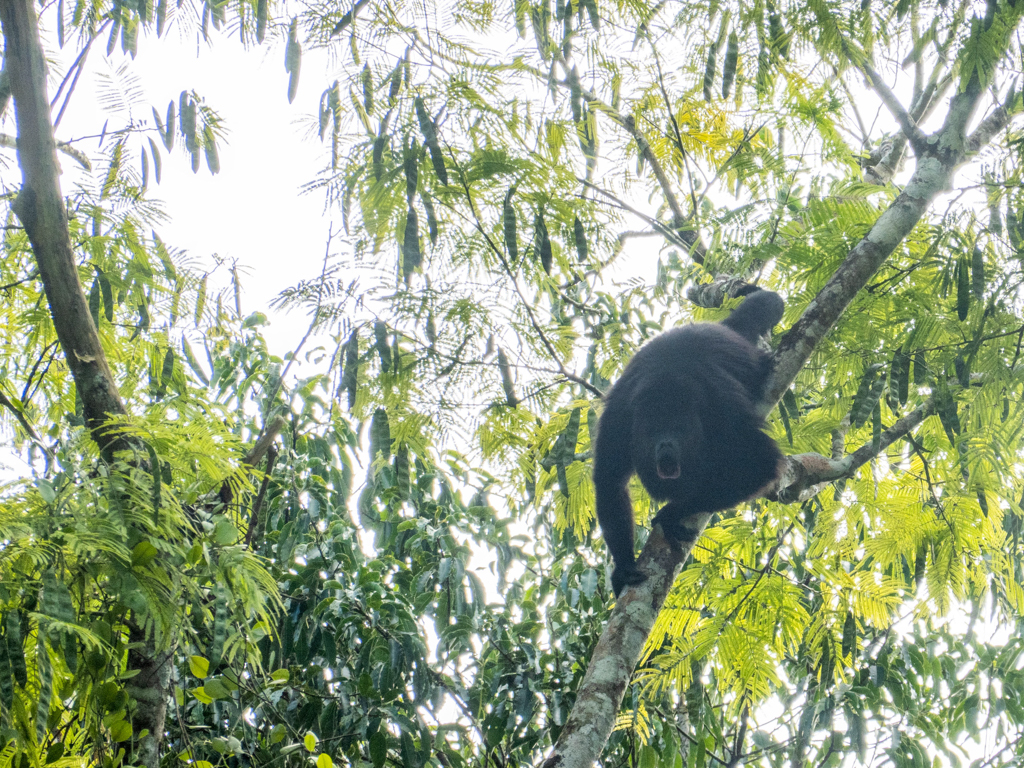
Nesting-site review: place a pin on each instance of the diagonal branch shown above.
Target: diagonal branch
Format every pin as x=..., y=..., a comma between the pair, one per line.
x=805, y=473
x=907, y=124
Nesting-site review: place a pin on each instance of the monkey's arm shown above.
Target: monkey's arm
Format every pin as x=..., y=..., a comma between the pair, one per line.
x=757, y=315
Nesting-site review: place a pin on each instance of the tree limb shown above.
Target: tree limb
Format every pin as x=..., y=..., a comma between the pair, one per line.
x=598, y=700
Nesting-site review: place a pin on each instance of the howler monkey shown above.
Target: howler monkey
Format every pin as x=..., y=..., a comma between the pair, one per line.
x=683, y=417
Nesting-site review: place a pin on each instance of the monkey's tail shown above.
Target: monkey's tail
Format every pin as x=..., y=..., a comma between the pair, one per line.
x=757, y=315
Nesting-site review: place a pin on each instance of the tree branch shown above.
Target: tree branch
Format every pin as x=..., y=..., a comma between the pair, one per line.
x=598, y=700
x=805, y=473
x=910, y=129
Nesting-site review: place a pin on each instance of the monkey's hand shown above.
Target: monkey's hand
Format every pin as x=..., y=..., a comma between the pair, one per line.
x=625, y=577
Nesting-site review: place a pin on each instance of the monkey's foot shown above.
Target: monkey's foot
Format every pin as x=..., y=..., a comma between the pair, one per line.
x=622, y=578
x=674, y=523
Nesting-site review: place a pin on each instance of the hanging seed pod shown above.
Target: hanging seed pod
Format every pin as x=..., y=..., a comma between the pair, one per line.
x=995, y=219
x=380, y=434
x=378, y=156
x=542, y=243
x=428, y=207
x=350, y=376
x=410, y=165
x=367, y=80
x=293, y=59
x=575, y=95
x=429, y=131
x=732, y=55
x=508, y=215
x=978, y=274
x=506, y=379
x=580, y=237
x=709, y=70
x=868, y=392
x=963, y=288
x=261, y=20
x=412, y=257
x=920, y=369
x=380, y=332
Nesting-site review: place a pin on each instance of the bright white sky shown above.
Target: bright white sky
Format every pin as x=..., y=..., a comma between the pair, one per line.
x=252, y=210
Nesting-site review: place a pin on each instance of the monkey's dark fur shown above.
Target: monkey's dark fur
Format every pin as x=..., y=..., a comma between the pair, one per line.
x=683, y=417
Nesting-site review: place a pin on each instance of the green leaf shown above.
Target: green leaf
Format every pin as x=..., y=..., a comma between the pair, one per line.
x=199, y=666
x=378, y=748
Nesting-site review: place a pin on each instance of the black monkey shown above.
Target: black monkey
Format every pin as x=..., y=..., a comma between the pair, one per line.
x=683, y=417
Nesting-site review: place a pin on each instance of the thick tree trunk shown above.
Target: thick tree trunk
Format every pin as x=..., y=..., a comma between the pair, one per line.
x=40, y=207
x=600, y=696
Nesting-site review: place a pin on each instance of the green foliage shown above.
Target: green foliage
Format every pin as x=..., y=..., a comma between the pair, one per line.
x=413, y=577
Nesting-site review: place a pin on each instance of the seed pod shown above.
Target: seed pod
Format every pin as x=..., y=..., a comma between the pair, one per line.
x=899, y=376
x=261, y=20
x=350, y=377
x=709, y=70
x=575, y=95
x=506, y=379
x=380, y=332
x=210, y=150
x=580, y=236
x=380, y=434
x=978, y=274
x=920, y=368
x=396, y=82
x=428, y=206
x=168, y=136
x=763, y=80
x=963, y=372
x=293, y=59
x=157, y=162
x=378, y=156
x=995, y=219
x=220, y=625
x=732, y=55
x=868, y=392
x=963, y=288
x=595, y=19
x=542, y=243
x=508, y=215
x=945, y=406
x=402, y=477
x=429, y=131
x=367, y=79
x=519, y=9
x=849, y=635
x=410, y=165
x=412, y=257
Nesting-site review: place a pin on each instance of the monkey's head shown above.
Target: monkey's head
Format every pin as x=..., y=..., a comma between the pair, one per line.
x=668, y=460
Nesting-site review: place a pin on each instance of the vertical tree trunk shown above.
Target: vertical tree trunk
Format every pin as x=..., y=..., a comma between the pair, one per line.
x=40, y=207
